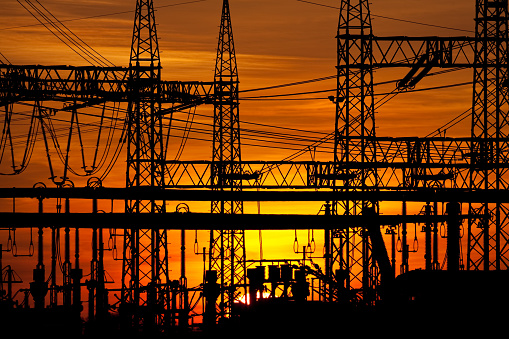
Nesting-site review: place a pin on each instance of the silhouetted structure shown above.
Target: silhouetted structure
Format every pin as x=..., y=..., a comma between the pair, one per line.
x=227, y=246
x=359, y=279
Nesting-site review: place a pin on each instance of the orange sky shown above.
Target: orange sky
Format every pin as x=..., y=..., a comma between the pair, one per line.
x=276, y=42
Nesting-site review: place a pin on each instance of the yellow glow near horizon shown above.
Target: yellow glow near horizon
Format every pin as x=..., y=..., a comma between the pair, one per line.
x=277, y=42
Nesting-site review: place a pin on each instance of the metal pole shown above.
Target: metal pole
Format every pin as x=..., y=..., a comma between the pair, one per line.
x=93, y=271
x=404, y=245
x=427, y=254
x=436, y=264
x=1, y=274
x=67, y=263
x=184, y=303
x=453, y=236
x=39, y=287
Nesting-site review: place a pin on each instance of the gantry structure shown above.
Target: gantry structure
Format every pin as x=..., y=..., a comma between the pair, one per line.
x=366, y=169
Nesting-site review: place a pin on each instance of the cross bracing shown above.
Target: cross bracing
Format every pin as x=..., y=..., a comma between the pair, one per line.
x=364, y=166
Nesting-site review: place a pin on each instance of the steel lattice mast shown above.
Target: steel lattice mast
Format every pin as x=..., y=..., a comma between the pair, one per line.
x=350, y=253
x=227, y=247
x=145, y=259
x=475, y=166
x=490, y=122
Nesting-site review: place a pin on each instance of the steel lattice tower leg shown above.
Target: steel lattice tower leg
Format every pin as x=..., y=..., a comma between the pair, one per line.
x=350, y=258
x=227, y=247
x=145, y=259
x=488, y=237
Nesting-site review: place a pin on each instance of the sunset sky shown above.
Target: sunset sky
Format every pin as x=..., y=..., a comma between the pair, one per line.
x=277, y=42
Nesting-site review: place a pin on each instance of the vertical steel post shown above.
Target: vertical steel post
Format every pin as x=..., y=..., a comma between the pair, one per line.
x=39, y=287
x=453, y=211
x=67, y=300
x=404, y=242
x=427, y=230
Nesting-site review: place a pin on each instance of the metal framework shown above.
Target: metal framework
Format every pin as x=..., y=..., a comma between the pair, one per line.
x=145, y=258
x=350, y=250
x=227, y=247
x=366, y=168
x=488, y=237
x=90, y=85
x=359, y=53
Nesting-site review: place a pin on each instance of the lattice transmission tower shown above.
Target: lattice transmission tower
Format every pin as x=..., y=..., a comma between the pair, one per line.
x=227, y=246
x=145, y=257
x=488, y=237
x=350, y=250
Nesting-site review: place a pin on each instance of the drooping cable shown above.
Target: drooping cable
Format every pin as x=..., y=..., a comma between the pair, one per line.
x=29, y=143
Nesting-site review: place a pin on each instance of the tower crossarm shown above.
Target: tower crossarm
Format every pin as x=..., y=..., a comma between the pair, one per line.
x=401, y=51
x=90, y=85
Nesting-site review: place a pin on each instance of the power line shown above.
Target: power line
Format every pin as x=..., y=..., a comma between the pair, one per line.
x=327, y=90
x=6, y=60
x=451, y=123
x=265, y=137
x=65, y=35
x=394, y=19
x=256, y=135
x=103, y=15
x=275, y=96
x=330, y=77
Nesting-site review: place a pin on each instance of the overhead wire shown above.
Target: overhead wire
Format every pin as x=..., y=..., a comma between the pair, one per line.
x=456, y=120
x=187, y=131
x=57, y=133
x=104, y=15
x=277, y=137
x=392, y=18
x=248, y=136
x=256, y=138
x=255, y=132
x=297, y=135
x=261, y=97
x=451, y=123
x=298, y=130
x=29, y=143
x=75, y=43
x=330, y=77
x=64, y=34
x=4, y=58
x=392, y=94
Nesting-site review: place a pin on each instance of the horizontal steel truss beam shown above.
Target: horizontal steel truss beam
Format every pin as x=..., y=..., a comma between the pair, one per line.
x=401, y=163
x=205, y=221
x=402, y=51
x=92, y=85
x=183, y=195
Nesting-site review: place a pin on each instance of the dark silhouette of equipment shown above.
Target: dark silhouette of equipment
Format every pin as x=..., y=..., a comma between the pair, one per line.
x=359, y=283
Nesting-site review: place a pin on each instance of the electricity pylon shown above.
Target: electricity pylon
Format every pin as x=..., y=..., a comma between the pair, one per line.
x=145, y=259
x=227, y=247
